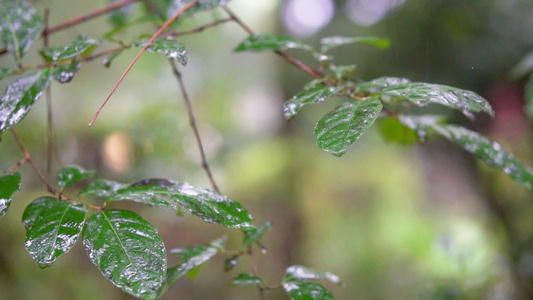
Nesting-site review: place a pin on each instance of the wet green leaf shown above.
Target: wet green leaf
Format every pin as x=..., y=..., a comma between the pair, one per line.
x=220, y=242
x=172, y=49
x=20, y=96
x=316, y=94
x=488, y=151
x=421, y=125
x=306, y=290
x=191, y=258
x=261, y=42
x=4, y=72
x=52, y=228
x=65, y=73
x=127, y=250
x=303, y=273
x=529, y=98
x=254, y=235
x=246, y=279
x=345, y=124
x=119, y=17
x=329, y=43
x=71, y=174
x=524, y=67
x=9, y=184
x=20, y=26
x=102, y=188
x=231, y=262
x=78, y=46
x=207, y=205
x=381, y=83
x=393, y=130
x=342, y=71
x=422, y=94
x=203, y=5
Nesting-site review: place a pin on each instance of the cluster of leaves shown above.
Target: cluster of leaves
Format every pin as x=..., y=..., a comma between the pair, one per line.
x=126, y=248
x=389, y=99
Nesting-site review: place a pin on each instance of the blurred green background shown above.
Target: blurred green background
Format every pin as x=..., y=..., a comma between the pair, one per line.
x=394, y=222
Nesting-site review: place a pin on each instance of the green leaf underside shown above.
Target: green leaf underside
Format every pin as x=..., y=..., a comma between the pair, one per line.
x=4, y=72
x=191, y=258
x=220, y=242
x=345, y=124
x=207, y=205
x=254, y=235
x=72, y=174
x=316, y=94
x=203, y=5
x=303, y=273
x=329, y=43
x=342, y=71
x=231, y=262
x=20, y=26
x=65, y=73
x=20, y=95
x=262, y=42
x=102, y=188
x=172, y=49
x=127, y=250
x=381, y=83
x=488, y=151
x=78, y=46
x=306, y=290
x=9, y=184
x=393, y=130
x=52, y=228
x=529, y=98
x=246, y=279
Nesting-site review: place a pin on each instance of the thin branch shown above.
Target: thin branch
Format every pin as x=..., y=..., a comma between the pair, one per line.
x=198, y=29
x=192, y=122
x=295, y=62
x=165, y=25
x=17, y=165
x=48, y=96
x=255, y=271
x=88, y=16
x=49, y=187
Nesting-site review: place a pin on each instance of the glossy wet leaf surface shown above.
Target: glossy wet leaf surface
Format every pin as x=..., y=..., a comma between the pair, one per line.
x=246, y=279
x=422, y=94
x=329, y=43
x=529, y=98
x=4, y=72
x=71, y=174
x=52, y=228
x=254, y=235
x=203, y=5
x=191, y=258
x=81, y=44
x=127, y=250
x=316, y=94
x=381, y=83
x=488, y=151
x=306, y=290
x=102, y=188
x=20, y=26
x=172, y=49
x=303, y=273
x=19, y=97
x=65, y=73
x=483, y=148
x=262, y=42
x=345, y=124
x=207, y=205
x=9, y=184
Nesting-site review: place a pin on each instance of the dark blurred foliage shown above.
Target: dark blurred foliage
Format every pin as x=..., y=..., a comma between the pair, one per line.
x=394, y=222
